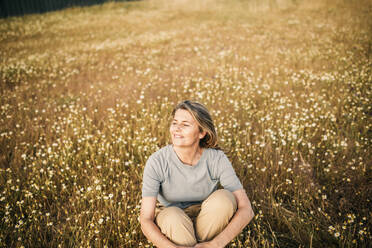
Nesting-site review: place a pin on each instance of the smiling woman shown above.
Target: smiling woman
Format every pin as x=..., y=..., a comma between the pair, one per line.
x=183, y=177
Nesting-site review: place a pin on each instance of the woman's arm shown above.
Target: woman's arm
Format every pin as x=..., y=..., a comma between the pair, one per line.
x=241, y=218
x=148, y=226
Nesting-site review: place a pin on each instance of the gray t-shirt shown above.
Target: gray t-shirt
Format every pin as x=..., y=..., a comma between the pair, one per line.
x=180, y=185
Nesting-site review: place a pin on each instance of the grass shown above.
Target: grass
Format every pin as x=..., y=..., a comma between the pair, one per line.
x=86, y=96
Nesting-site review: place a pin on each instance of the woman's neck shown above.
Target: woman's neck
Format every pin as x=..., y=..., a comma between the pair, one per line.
x=189, y=155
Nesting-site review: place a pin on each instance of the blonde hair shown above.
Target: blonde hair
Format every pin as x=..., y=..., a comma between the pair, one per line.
x=204, y=120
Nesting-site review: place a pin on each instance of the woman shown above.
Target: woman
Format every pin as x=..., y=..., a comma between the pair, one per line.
x=184, y=178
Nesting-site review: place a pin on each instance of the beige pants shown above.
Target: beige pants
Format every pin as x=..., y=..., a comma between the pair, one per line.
x=200, y=222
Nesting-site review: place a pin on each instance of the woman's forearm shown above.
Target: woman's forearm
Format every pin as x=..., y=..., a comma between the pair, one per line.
x=153, y=233
x=241, y=218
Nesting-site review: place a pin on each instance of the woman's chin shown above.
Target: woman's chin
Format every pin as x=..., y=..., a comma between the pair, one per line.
x=178, y=144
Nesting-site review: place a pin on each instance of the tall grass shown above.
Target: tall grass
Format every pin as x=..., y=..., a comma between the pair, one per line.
x=86, y=95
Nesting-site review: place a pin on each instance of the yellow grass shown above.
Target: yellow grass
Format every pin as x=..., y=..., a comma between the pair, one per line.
x=86, y=95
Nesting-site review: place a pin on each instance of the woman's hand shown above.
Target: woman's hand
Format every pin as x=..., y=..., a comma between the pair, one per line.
x=205, y=245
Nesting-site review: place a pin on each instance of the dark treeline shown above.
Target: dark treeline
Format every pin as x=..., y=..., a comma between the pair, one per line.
x=22, y=7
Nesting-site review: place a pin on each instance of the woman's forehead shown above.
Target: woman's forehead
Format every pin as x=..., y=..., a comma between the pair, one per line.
x=183, y=115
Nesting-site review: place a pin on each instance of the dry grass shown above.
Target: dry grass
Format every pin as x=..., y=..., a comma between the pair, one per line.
x=86, y=94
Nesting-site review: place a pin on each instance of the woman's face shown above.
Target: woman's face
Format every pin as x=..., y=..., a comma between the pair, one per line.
x=184, y=129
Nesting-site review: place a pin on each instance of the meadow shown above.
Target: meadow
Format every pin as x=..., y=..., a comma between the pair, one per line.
x=87, y=93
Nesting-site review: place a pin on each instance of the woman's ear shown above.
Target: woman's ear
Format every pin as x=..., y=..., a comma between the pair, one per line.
x=202, y=134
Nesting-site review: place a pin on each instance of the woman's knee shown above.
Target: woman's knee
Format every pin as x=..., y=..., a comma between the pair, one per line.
x=222, y=200
x=215, y=214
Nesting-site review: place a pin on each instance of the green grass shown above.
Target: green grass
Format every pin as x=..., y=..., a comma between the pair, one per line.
x=86, y=96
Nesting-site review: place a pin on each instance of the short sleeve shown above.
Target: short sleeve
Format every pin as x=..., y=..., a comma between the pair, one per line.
x=151, y=178
x=227, y=175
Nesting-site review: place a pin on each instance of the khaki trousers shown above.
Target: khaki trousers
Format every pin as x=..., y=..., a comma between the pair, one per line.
x=201, y=222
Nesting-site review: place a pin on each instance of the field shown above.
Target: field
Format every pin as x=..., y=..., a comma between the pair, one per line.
x=86, y=97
